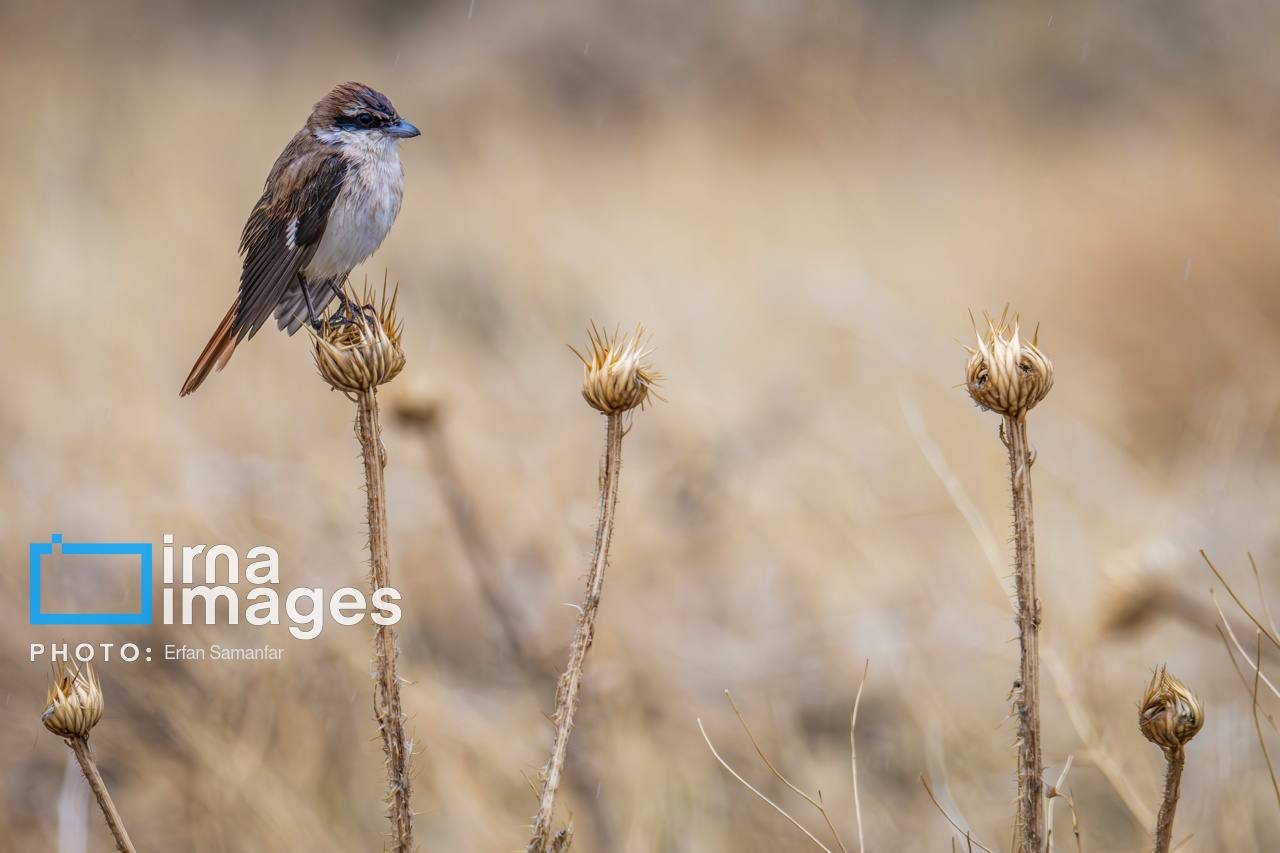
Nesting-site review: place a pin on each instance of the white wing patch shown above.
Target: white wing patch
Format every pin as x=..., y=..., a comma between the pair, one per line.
x=291, y=234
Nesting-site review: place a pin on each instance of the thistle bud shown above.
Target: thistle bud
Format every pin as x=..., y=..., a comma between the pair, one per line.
x=1170, y=714
x=74, y=702
x=364, y=352
x=613, y=379
x=1005, y=373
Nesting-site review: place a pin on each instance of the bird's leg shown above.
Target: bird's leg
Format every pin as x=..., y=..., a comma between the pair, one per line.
x=348, y=305
x=306, y=297
x=345, y=315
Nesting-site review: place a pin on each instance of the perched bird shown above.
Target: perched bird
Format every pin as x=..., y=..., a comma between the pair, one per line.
x=329, y=201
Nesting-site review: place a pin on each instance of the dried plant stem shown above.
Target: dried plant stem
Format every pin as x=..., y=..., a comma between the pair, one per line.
x=755, y=791
x=1257, y=673
x=853, y=754
x=386, y=698
x=968, y=836
x=817, y=804
x=570, y=688
x=1172, y=786
x=1054, y=793
x=1027, y=692
x=84, y=755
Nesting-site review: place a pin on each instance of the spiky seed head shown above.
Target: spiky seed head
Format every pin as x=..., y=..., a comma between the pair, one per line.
x=74, y=702
x=1006, y=374
x=356, y=356
x=1170, y=714
x=613, y=378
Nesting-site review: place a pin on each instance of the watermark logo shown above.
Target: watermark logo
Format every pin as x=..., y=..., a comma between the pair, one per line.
x=142, y=550
x=190, y=575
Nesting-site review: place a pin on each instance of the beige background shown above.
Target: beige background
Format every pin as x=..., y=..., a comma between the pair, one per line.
x=802, y=201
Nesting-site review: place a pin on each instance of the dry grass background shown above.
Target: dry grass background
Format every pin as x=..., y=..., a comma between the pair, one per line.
x=802, y=200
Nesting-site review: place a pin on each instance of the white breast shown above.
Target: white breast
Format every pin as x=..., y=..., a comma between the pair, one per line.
x=365, y=208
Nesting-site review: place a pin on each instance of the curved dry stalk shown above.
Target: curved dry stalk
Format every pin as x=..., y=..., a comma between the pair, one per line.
x=1240, y=672
x=817, y=804
x=84, y=754
x=750, y=788
x=853, y=754
x=1232, y=634
x=570, y=687
x=968, y=836
x=1054, y=793
x=1274, y=640
x=1262, y=596
x=386, y=702
x=1257, y=673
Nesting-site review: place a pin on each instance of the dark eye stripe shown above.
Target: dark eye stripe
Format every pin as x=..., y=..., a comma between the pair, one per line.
x=364, y=121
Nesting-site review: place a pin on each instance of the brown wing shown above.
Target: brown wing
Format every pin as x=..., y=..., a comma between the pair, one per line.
x=283, y=232
x=279, y=240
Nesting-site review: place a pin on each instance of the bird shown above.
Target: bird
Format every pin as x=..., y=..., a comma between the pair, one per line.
x=329, y=201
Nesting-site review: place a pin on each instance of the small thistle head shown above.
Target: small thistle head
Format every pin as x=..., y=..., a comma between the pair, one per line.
x=354, y=355
x=1005, y=373
x=74, y=702
x=1170, y=714
x=613, y=379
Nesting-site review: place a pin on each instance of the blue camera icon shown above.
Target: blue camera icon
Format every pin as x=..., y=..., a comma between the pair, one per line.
x=141, y=549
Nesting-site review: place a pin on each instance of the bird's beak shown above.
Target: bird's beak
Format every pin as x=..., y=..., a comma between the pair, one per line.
x=402, y=129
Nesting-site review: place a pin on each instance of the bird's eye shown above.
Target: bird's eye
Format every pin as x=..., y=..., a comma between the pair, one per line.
x=365, y=120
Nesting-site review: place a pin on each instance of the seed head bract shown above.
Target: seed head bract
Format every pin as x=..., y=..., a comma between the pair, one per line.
x=74, y=703
x=1006, y=373
x=613, y=378
x=365, y=353
x=1170, y=714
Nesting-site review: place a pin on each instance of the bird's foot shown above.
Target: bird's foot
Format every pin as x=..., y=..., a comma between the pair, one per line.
x=348, y=313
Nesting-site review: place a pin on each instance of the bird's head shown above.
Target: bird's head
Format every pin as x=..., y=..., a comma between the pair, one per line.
x=354, y=111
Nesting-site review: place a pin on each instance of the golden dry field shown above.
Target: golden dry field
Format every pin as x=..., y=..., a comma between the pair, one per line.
x=802, y=201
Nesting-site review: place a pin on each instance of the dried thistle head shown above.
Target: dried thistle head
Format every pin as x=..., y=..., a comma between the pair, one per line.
x=613, y=379
x=74, y=702
x=1170, y=714
x=356, y=356
x=1005, y=373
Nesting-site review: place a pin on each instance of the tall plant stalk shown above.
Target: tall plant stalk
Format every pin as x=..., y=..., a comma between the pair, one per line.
x=386, y=701
x=1009, y=376
x=1031, y=788
x=1170, y=716
x=355, y=357
x=73, y=706
x=84, y=755
x=569, y=691
x=614, y=383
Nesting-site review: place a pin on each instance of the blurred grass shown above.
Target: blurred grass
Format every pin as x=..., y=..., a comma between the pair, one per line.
x=802, y=201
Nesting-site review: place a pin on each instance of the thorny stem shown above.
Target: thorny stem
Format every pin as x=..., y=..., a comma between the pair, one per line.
x=386, y=696
x=1027, y=691
x=569, y=690
x=80, y=746
x=1172, y=785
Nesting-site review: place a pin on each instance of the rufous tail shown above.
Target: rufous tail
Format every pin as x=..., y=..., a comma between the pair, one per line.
x=216, y=353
